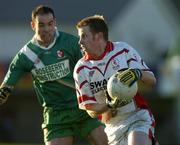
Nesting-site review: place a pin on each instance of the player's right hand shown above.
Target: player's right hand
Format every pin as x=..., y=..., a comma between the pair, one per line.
x=111, y=103
x=4, y=93
x=130, y=76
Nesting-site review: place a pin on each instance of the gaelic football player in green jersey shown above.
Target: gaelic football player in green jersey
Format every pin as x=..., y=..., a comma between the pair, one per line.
x=50, y=56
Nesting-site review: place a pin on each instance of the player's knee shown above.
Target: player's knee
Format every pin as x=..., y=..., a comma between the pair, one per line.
x=139, y=138
x=98, y=136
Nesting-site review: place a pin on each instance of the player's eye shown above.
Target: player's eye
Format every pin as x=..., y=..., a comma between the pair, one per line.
x=51, y=23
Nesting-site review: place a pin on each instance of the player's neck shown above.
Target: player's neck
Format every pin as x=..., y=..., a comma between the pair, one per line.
x=100, y=50
x=44, y=44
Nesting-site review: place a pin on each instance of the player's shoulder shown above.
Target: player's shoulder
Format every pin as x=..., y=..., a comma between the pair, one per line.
x=28, y=47
x=80, y=64
x=25, y=48
x=122, y=46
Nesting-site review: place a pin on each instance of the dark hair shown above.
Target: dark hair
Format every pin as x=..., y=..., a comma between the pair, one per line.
x=41, y=10
x=96, y=24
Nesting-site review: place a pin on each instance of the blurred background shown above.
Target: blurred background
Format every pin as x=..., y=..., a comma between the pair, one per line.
x=150, y=26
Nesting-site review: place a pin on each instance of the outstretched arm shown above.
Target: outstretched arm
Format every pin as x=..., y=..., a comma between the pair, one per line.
x=96, y=109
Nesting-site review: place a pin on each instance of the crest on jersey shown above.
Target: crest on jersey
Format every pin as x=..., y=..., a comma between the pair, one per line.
x=135, y=57
x=91, y=73
x=115, y=63
x=37, y=61
x=60, y=53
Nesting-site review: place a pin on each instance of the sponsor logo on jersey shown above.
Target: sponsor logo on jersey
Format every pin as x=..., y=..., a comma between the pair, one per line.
x=115, y=63
x=60, y=53
x=52, y=72
x=135, y=56
x=37, y=61
x=98, y=86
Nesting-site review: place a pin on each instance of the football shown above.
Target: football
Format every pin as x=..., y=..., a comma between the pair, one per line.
x=116, y=89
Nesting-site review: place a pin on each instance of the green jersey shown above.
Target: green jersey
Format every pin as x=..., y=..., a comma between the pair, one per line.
x=48, y=68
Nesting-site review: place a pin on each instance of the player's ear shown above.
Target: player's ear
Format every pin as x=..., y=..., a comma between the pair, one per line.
x=99, y=35
x=55, y=22
x=33, y=25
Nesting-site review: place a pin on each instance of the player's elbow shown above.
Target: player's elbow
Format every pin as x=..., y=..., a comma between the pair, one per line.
x=149, y=79
x=153, y=81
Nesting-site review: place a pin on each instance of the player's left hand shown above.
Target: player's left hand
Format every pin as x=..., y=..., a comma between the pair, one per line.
x=130, y=76
x=4, y=93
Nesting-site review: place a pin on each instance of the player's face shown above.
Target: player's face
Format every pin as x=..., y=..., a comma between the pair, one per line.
x=88, y=40
x=44, y=28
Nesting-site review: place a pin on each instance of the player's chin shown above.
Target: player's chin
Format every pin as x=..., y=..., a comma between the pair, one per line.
x=47, y=39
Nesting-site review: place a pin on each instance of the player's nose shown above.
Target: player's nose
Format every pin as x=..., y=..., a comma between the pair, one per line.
x=80, y=40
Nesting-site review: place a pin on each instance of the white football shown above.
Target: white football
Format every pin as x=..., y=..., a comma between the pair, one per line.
x=117, y=89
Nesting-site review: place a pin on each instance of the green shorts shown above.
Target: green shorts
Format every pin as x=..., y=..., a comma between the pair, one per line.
x=70, y=122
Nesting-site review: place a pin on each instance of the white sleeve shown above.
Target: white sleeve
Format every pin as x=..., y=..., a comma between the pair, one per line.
x=83, y=91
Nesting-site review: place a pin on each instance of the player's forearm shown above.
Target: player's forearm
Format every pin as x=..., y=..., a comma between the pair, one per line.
x=148, y=78
x=96, y=109
x=8, y=86
x=92, y=114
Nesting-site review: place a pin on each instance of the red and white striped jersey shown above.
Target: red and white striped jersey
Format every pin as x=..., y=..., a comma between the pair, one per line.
x=91, y=75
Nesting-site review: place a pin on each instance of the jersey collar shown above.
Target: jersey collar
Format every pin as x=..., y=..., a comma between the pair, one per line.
x=109, y=47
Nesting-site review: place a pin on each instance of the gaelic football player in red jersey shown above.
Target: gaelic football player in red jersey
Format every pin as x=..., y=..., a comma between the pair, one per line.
x=132, y=123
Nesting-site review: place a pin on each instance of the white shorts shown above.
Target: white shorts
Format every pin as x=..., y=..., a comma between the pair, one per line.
x=119, y=127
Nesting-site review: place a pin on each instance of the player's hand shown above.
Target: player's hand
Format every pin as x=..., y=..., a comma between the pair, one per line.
x=114, y=102
x=130, y=76
x=111, y=103
x=4, y=93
